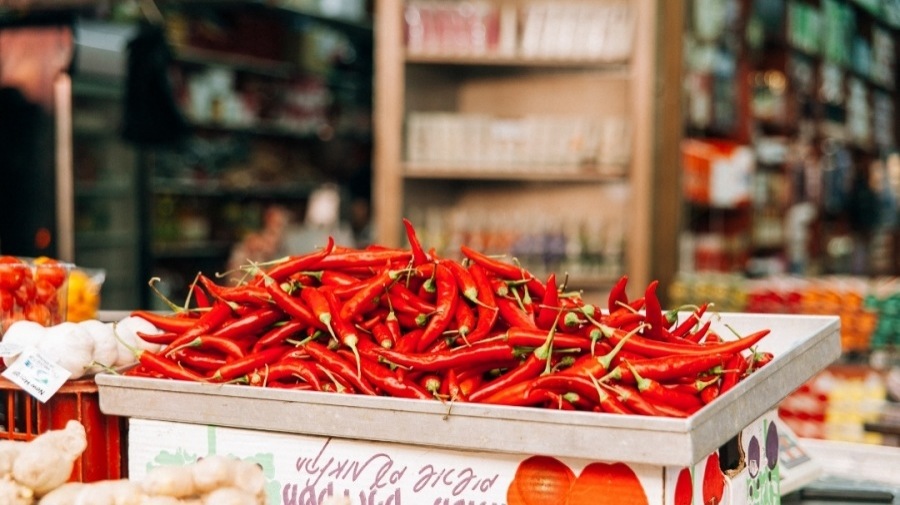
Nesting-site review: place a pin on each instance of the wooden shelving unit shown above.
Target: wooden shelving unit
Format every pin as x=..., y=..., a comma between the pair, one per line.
x=509, y=85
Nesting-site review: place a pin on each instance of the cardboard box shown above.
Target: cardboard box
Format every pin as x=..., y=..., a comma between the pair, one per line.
x=304, y=469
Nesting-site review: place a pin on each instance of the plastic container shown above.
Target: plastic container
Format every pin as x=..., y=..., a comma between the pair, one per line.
x=32, y=289
x=23, y=418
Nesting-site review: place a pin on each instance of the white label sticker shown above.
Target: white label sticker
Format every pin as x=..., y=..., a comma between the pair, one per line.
x=37, y=375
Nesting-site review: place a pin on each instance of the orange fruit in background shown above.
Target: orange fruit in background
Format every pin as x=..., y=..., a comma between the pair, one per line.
x=608, y=483
x=540, y=480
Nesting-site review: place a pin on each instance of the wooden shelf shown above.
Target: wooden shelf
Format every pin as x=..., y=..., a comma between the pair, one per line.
x=613, y=68
x=514, y=86
x=531, y=173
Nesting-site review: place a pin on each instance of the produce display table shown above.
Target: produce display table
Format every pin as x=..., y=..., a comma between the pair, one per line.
x=434, y=452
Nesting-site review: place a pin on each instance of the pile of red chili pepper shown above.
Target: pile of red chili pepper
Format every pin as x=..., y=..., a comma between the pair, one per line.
x=406, y=323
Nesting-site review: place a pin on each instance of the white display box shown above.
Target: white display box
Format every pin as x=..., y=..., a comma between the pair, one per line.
x=483, y=436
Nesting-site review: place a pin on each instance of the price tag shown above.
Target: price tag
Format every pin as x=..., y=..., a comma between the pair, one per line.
x=37, y=375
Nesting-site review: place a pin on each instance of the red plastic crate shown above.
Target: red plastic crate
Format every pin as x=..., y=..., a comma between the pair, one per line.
x=24, y=418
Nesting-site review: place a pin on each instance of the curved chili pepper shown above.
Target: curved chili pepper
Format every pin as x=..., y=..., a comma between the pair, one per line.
x=618, y=298
x=200, y=296
x=164, y=338
x=199, y=360
x=697, y=336
x=513, y=315
x=364, y=258
x=690, y=321
x=251, y=324
x=243, y=293
x=734, y=369
x=294, y=264
x=335, y=364
x=210, y=321
x=623, y=319
x=659, y=394
x=167, y=323
x=486, y=307
x=507, y=271
x=632, y=399
x=652, y=348
x=709, y=393
x=249, y=363
x=476, y=354
x=418, y=253
x=464, y=280
x=445, y=306
x=228, y=347
x=668, y=367
x=653, y=314
x=464, y=317
x=343, y=283
x=385, y=380
x=534, y=337
x=319, y=306
x=292, y=305
x=343, y=329
x=166, y=367
x=278, y=334
x=549, y=309
x=521, y=394
x=302, y=369
x=402, y=298
x=527, y=370
x=367, y=297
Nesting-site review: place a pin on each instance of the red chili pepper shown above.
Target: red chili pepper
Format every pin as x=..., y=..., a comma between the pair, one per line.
x=689, y=322
x=465, y=319
x=651, y=348
x=364, y=258
x=382, y=378
x=228, y=347
x=549, y=310
x=335, y=364
x=202, y=299
x=294, y=264
x=249, y=363
x=164, y=338
x=668, y=367
x=166, y=323
x=343, y=283
x=367, y=297
x=514, y=315
x=445, y=307
x=734, y=370
x=486, y=307
x=507, y=271
x=241, y=294
x=464, y=280
x=659, y=394
x=527, y=370
x=317, y=302
x=403, y=299
x=618, y=298
x=278, y=334
x=697, y=336
x=166, y=367
x=343, y=329
x=533, y=337
x=199, y=360
x=210, y=321
x=520, y=395
x=293, y=306
x=632, y=399
x=251, y=324
x=623, y=319
x=418, y=253
x=304, y=370
x=653, y=315
x=709, y=393
x=476, y=354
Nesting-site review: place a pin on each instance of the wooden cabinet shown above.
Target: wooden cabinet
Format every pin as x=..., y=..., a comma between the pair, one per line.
x=528, y=134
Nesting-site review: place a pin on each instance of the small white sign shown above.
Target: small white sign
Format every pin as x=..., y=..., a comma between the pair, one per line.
x=37, y=375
